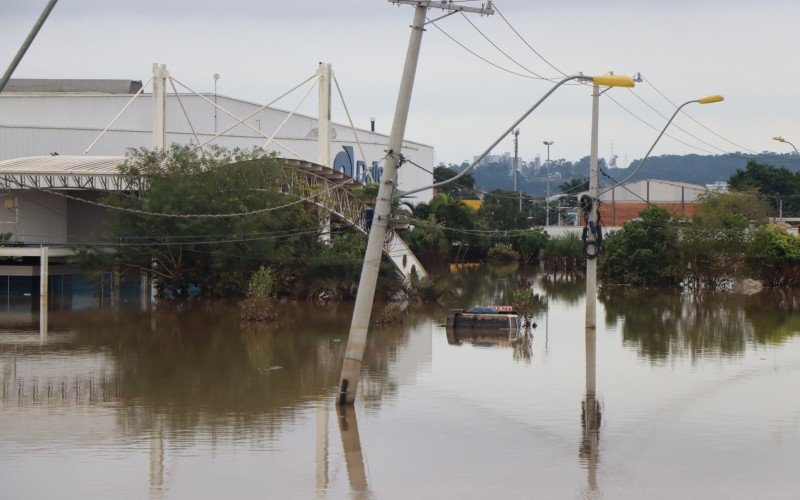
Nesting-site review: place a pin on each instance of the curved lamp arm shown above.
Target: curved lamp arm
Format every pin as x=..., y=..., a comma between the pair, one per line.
x=503, y=136
x=704, y=100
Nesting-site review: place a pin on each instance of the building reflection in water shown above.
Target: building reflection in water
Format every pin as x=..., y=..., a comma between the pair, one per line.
x=590, y=415
x=353, y=456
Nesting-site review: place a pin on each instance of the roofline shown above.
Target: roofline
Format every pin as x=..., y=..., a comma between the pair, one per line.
x=12, y=95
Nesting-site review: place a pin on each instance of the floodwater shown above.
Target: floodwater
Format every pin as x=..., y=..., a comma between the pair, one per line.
x=675, y=397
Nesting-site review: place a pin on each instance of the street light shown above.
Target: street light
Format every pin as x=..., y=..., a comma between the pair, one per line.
x=781, y=139
x=547, y=198
x=703, y=100
x=601, y=80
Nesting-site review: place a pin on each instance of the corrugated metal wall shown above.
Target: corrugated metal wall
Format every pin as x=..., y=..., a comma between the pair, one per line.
x=33, y=125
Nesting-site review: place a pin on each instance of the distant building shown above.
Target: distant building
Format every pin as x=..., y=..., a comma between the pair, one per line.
x=623, y=203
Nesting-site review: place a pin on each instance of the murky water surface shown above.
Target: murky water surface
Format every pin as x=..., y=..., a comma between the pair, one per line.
x=693, y=398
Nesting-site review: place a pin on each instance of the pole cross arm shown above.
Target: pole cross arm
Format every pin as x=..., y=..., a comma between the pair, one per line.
x=447, y=5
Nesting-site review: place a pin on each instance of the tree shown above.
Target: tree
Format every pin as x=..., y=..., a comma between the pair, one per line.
x=530, y=243
x=463, y=187
x=772, y=182
x=773, y=256
x=501, y=211
x=644, y=252
x=215, y=256
x=712, y=244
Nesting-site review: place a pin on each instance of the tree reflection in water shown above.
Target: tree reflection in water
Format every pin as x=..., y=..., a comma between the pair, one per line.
x=663, y=323
x=201, y=372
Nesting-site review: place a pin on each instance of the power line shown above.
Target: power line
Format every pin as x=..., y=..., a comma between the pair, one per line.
x=480, y=56
x=504, y=52
x=525, y=41
x=696, y=121
x=675, y=125
x=177, y=216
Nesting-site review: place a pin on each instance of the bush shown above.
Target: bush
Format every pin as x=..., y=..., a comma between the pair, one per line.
x=773, y=256
x=259, y=305
x=392, y=314
x=502, y=252
x=644, y=252
x=564, y=252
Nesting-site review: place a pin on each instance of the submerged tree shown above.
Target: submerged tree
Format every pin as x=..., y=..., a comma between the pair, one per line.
x=644, y=252
x=257, y=221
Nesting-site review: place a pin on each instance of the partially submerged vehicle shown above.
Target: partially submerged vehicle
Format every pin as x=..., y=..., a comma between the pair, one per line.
x=491, y=321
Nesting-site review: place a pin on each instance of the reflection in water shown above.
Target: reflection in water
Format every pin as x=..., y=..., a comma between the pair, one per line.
x=671, y=323
x=353, y=456
x=521, y=341
x=157, y=462
x=157, y=410
x=590, y=414
x=321, y=474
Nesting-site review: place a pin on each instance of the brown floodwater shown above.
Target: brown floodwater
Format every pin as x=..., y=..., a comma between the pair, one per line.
x=674, y=397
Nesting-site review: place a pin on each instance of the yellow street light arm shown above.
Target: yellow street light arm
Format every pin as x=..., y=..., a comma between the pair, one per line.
x=703, y=100
x=604, y=80
x=781, y=139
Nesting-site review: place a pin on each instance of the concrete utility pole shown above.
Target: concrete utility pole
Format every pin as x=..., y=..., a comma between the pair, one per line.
x=594, y=192
x=516, y=168
x=44, y=273
x=547, y=198
x=160, y=75
x=357, y=339
x=324, y=121
x=27, y=43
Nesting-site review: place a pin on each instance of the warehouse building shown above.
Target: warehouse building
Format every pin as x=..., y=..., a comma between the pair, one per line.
x=69, y=135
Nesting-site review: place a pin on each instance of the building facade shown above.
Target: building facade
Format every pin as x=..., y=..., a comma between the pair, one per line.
x=42, y=117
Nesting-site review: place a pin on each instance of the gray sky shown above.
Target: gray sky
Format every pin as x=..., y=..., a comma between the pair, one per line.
x=745, y=50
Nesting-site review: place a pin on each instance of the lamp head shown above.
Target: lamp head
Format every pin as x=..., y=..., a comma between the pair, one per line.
x=778, y=138
x=613, y=81
x=711, y=98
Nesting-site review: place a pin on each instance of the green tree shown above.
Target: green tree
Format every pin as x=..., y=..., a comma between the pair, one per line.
x=773, y=256
x=530, y=243
x=214, y=255
x=501, y=211
x=712, y=244
x=772, y=182
x=644, y=252
x=463, y=187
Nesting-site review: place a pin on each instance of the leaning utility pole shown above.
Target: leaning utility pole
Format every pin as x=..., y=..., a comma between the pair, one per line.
x=516, y=168
x=357, y=339
x=27, y=43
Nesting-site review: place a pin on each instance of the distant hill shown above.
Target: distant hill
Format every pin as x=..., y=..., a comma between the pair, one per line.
x=694, y=169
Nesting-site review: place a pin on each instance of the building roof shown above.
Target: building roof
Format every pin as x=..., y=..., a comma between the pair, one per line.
x=79, y=86
x=62, y=165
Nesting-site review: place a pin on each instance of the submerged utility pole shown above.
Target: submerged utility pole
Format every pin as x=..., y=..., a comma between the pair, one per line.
x=357, y=339
x=592, y=248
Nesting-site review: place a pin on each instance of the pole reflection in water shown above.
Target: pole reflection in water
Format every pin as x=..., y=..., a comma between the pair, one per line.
x=157, y=461
x=322, y=446
x=353, y=457
x=590, y=415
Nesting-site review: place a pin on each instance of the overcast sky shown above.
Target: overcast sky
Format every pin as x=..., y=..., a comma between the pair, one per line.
x=746, y=50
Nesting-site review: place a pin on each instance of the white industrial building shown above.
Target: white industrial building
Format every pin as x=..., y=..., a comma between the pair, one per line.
x=43, y=117
x=69, y=136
